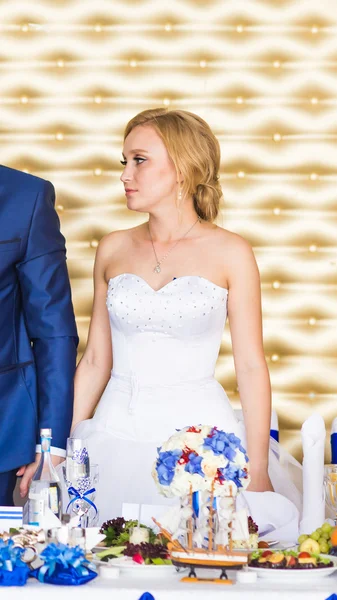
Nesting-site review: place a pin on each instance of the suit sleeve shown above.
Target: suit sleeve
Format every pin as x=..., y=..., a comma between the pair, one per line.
x=49, y=315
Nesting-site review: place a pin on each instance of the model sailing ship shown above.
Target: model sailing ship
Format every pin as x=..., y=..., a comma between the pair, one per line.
x=205, y=468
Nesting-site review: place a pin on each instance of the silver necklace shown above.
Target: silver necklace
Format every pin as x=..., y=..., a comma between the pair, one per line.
x=157, y=268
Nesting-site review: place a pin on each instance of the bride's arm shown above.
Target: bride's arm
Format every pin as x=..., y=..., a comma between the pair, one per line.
x=93, y=371
x=245, y=320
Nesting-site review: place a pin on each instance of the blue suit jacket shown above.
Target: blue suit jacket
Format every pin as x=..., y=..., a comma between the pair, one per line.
x=38, y=336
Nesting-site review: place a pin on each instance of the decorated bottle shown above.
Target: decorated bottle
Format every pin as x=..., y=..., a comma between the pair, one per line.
x=45, y=489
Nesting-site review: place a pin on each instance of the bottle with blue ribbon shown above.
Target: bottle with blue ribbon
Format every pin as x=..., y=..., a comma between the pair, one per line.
x=45, y=490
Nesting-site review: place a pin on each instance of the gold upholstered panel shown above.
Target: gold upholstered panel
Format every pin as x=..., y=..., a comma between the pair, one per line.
x=263, y=74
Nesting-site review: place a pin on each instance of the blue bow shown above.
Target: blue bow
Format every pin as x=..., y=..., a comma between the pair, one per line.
x=10, y=556
x=66, y=557
x=78, y=496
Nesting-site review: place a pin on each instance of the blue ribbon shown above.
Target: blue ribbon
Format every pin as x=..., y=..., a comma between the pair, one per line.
x=77, y=496
x=10, y=556
x=274, y=434
x=195, y=504
x=64, y=556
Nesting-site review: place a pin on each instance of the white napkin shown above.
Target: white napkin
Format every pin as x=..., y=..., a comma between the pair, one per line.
x=313, y=441
x=276, y=517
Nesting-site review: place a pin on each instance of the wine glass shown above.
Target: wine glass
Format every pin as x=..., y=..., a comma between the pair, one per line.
x=81, y=479
x=330, y=488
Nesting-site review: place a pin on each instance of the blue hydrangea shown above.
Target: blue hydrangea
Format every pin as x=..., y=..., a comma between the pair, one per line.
x=194, y=464
x=166, y=464
x=233, y=473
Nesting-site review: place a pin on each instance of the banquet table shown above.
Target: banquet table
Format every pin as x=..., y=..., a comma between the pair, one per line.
x=171, y=588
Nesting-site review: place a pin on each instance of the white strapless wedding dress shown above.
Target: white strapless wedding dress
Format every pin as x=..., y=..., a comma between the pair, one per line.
x=165, y=346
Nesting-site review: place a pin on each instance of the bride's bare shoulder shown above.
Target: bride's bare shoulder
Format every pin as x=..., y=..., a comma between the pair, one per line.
x=231, y=242
x=117, y=239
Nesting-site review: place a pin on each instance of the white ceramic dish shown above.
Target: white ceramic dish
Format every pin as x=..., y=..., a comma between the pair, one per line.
x=126, y=565
x=300, y=575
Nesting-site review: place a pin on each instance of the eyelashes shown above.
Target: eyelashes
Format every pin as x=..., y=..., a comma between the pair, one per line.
x=139, y=160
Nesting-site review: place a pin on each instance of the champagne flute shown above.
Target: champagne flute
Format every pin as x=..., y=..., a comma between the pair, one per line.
x=330, y=488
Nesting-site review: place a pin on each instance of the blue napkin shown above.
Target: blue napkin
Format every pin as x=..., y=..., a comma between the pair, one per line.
x=146, y=596
x=333, y=441
x=333, y=597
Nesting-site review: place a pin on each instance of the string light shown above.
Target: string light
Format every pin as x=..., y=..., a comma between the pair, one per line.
x=239, y=28
x=313, y=176
x=168, y=27
x=97, y=172
x=276, y=285
x=241, y=174
x=275, y=357
x=239, y=100
x=98, y=28
x=166, y=102
x=25, y=28
x=277, y=210
x=133, y=63
x=312, y=321
x=203, y=64
x=94, y=243
x=97, y=99
x=314, y=100
x=59, y=207
x=313, y=248
x=60, y=63
x=23, y=99
x=276, y=64
x=59, y=136
x=314, y=29
x=277, y=137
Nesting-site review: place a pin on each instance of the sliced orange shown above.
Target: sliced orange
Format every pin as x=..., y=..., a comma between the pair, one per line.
x=334, y=536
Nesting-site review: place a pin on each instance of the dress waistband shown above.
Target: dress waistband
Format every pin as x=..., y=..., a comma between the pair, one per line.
x=136, y=385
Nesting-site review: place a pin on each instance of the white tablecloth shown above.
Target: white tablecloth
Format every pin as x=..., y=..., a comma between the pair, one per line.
x=170, y=588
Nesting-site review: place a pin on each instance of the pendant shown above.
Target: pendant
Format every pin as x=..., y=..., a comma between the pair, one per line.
x=157, y=268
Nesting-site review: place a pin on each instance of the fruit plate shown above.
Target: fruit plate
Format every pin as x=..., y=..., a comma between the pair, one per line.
x=127, y=566
x=300, y=575
x=273, y=544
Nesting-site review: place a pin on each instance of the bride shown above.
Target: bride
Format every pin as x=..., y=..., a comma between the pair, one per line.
x=162, y=293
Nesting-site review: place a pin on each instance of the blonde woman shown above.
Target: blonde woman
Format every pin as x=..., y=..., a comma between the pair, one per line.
x=163, y=291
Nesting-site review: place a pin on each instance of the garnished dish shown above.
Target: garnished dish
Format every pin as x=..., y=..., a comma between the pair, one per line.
x=117, y=532
x=323, y=539
x=298, y=565
x=145, y=553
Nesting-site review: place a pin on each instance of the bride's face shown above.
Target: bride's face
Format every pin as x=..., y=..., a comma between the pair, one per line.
x=149, y=175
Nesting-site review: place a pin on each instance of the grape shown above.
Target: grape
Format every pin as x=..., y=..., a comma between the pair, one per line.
x=326, y=528
x=315, y=535
x=302, y=538
x=325, y=535
x=319, y=530
x=324, y=547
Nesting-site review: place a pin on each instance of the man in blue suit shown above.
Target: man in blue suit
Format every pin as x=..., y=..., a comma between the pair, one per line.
x=38, y=336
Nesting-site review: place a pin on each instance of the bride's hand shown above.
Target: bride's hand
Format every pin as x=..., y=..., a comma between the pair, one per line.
x=260, y=482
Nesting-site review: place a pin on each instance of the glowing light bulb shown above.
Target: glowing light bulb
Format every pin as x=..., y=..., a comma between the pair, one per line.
x=203, y=64
x=312, y=248
x=314, y=100
x=314, y=29
x=60, y=63
x=60, y=207
x=241, y=174
x=94, y=243
x=133, y=63
x=25, y=171
x=168, y=27
x=277, y=210
x=276, y=64
x=98, y=28
x=59, y=136
x=276, y=285
x=23, y=99
x=25, y=28
x=98, y=172
x=239, y=28
x=97, y=99
x=275, y=357
x=277, y=137
x=239, y=100
x=313, y=176
x=166, y=102
x=312, y=321
x=312, y=395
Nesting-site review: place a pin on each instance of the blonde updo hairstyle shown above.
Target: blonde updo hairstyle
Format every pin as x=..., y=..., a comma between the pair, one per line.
x=195, y=153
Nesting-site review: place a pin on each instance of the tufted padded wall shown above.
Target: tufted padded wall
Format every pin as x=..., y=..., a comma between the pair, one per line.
x=263, y=74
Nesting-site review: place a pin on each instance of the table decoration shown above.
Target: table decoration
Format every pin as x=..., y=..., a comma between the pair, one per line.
x=63, y=565
x=81, y=479
x=13, y=571
x=205, y=467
